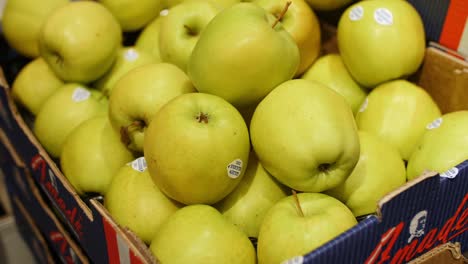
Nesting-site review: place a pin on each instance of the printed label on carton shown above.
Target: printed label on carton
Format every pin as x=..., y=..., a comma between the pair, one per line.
x=80, y=94
x=356, y=13
x=234, y=168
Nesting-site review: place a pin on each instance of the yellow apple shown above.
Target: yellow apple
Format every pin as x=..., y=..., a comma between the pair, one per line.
x=302, y=23
x=22, y=21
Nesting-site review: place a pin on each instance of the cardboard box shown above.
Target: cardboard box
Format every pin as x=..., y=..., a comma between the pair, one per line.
x=424, y=214
x=27, y=201
x=446, y=23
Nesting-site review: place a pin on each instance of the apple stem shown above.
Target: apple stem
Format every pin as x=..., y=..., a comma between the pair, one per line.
x=281, y=15
x=298, y=204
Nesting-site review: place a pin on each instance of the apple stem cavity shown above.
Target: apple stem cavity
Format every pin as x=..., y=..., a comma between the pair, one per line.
x=125, y=131
x=298, y=204
x=202, y=117
x=281, y=15
x=324, y=167
x=190, y=30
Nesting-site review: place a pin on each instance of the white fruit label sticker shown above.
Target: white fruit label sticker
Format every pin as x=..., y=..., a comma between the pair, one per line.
x=80, y=94
x=131, y=55
x=434, y=124
x=356, y=13
x=139, y=164
x=383, y=16
x=294, y=260
x=164, y=12
x=234, y=168
x=364, y=105
x=450, y=173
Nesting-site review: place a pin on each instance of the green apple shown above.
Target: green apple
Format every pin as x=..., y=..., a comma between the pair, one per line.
x=328, y=5
x=242, y=55
x=22, y=21
x=398, y=111
x=133, y=16
x=197, y=148
x=134, y=201
x=181, y=29
x=248, y=203
x=305, y=135
x=200, y=234
x=443, y=146
x=299, y=224
x=80, y=41
x=127, y=59
x=148, y=39
x=380, y=170
x=302, y=23
x=63, y=111
x=92, y=154
x=139, y=95
x=34, y=84
x=381, y=40
x=331, y=71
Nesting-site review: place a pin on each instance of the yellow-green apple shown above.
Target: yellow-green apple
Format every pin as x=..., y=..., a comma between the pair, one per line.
x=330, y=71
x=181, y=29
x=148, y=39
x=200, y=234
x=328, y=5
x=132, y=15
x=305, y=135
x=299, y=224
x=443, y=146
x=22, y=21
x=232, y=60
x=135, y=202
x=63, y=111
x=380, y=170
x=248, y=203
x=34, y=84
x=197, y=148
x=398, y=111
x=127, y=59
x=221, y=4
x=381, y=40
x=92, y=154
x=80, y=41
x=302, y=23
x=139, y=95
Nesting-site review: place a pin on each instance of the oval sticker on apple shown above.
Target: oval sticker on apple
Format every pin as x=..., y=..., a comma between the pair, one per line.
x=450, y=173
x=364, y=105
x=434, y=124
x=356, y=13
x=294, y=260
x=139, y=164
x=164, y=12
x=131, y=55
x=234, y=168
x=383, y=16
x=80, y=94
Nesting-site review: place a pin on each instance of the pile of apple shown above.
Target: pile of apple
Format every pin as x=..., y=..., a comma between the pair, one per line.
x=224, y=121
